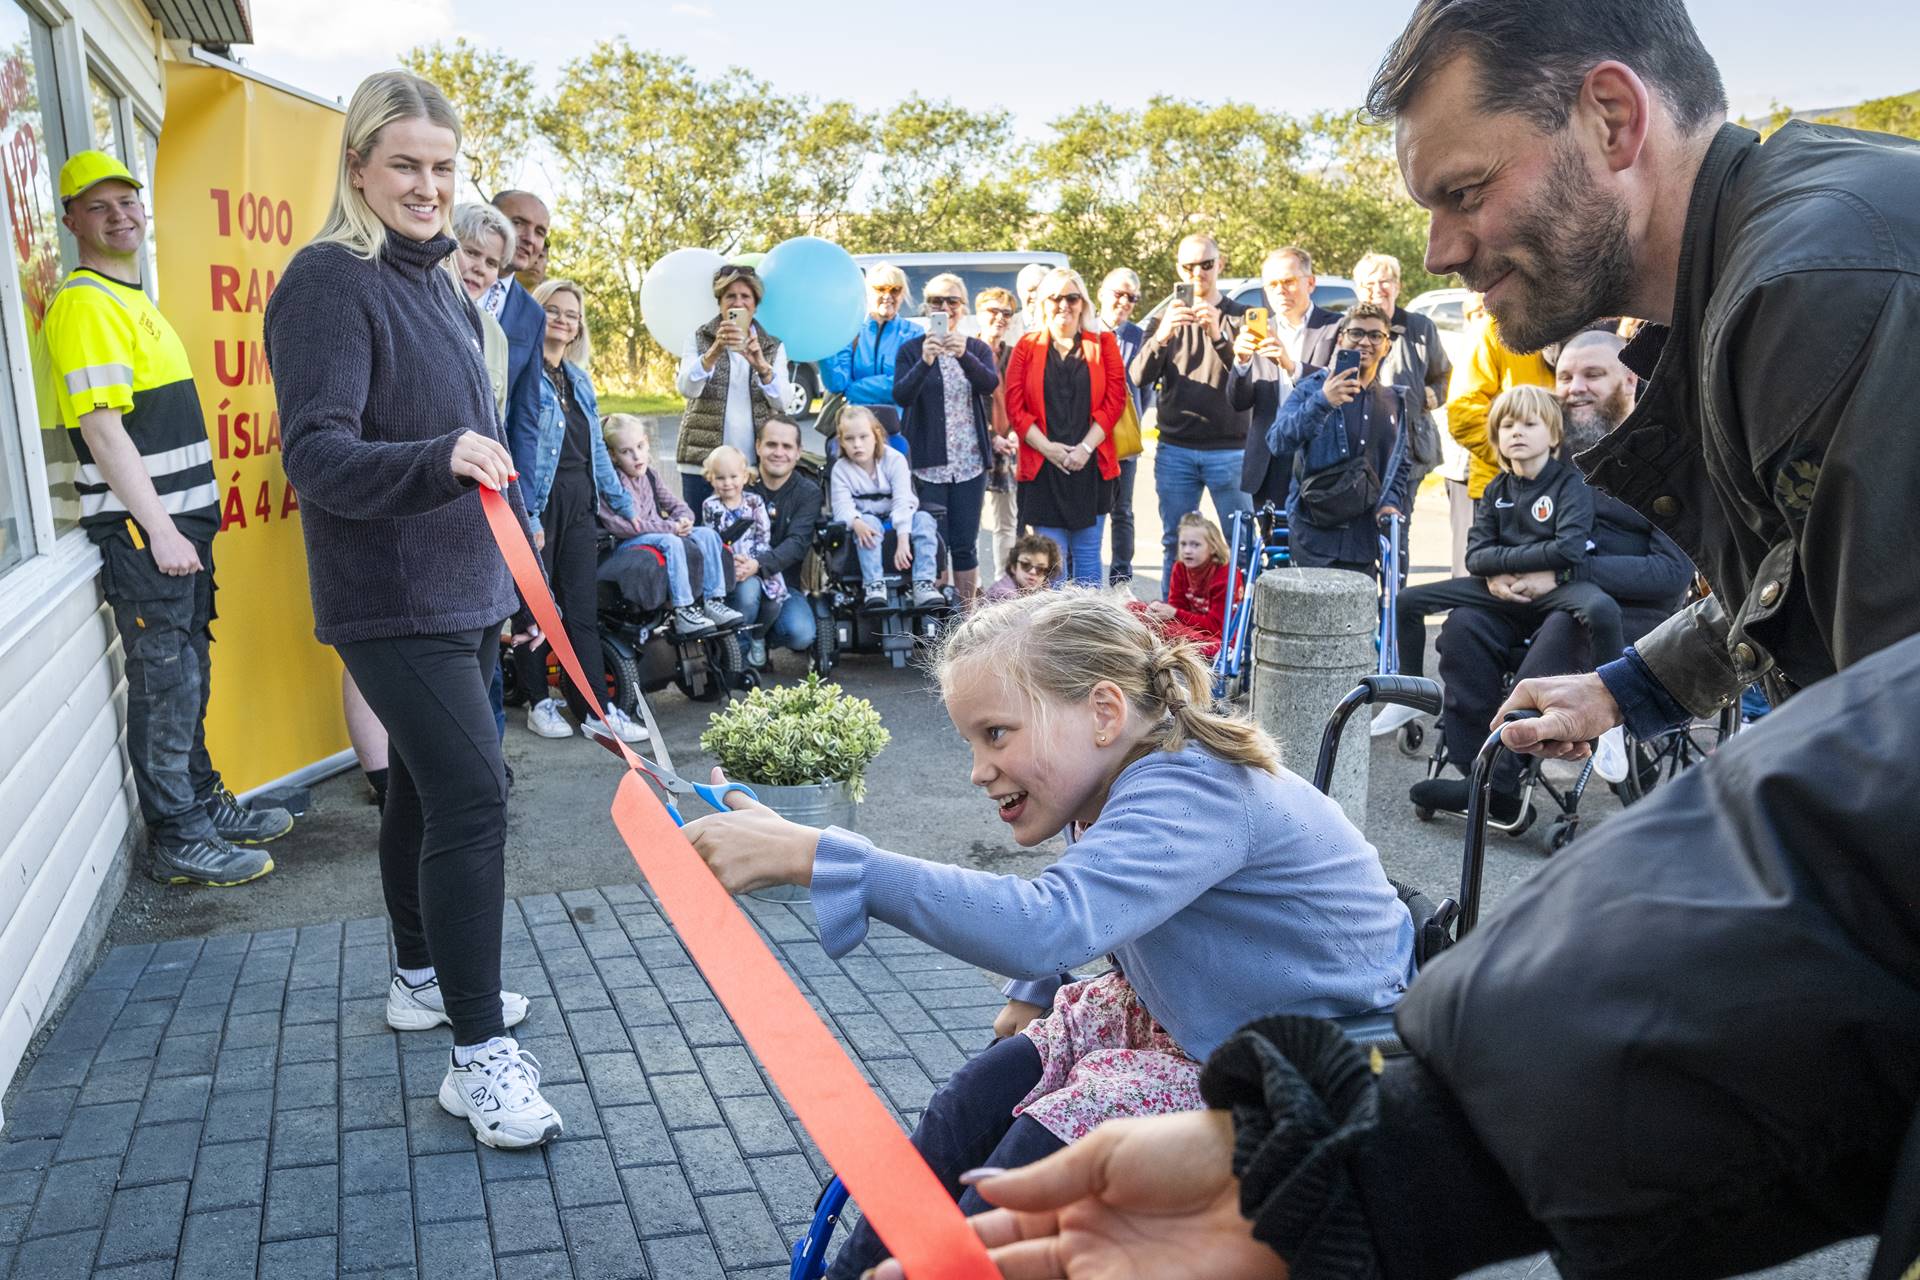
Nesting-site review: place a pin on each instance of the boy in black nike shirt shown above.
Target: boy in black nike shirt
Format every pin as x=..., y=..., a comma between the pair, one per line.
x=1536, y=516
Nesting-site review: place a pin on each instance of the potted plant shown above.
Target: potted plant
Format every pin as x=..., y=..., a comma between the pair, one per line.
x=804, y=748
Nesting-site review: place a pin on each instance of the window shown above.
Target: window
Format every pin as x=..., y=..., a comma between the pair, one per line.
x=105, y=106
x=29, y=121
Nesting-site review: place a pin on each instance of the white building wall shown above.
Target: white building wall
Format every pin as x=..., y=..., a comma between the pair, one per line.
x=68, y=815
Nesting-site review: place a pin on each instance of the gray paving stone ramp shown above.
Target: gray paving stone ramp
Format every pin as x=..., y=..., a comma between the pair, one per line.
x=237, y=1106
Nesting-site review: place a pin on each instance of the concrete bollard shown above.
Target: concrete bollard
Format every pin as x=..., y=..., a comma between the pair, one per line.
x=1312, y=641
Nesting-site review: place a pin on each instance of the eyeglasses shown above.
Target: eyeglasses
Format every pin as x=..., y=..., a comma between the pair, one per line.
x=1363, y=337
x=1005, y=313
x=946, y=302
x=555, y=313
x=1034, y=566
x=891, y=290
x=1205, y=264
x=1121, y=295
x=1066, y=299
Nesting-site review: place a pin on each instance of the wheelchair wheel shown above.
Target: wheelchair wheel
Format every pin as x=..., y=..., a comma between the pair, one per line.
x=826, y=651
x=726, y=659
x=623, y=673
x=1665, y=757
x=1412, y=736
x=1564, y=831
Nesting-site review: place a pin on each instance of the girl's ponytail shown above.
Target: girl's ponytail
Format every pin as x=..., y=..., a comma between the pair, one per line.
x=1182, y=683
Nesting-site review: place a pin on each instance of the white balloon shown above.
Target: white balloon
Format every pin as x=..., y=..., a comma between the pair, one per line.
x=676, y=296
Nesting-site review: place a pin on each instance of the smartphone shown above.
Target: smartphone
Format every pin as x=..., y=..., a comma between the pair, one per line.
x=737, y=316
x=1183, y=293
x=937, y=324
x=1256, y=322
x=1344, y=359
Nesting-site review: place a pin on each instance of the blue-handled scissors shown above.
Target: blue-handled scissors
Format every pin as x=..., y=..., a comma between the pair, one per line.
x=673, y=785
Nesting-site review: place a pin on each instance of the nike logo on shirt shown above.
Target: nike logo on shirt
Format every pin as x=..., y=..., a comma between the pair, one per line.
x=1501, y=504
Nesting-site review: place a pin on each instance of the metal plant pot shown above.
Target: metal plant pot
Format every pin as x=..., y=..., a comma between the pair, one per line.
x=817, y=804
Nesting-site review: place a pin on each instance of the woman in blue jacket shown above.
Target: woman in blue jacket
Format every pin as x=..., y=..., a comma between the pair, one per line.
x=863, y=372
x=944, y=385
x=570, y=466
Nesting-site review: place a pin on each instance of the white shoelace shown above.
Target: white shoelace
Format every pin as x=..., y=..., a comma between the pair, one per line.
x=512, y=1072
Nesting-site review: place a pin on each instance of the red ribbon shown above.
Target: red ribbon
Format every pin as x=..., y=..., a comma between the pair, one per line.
x=898, y=1193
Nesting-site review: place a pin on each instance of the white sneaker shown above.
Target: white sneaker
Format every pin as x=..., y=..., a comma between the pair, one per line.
x=1610, y=755
x=1391, y=717
x=499, y=1094
x=546, y=719
x=420, y=1008
x=617, y=724
x=720, y=613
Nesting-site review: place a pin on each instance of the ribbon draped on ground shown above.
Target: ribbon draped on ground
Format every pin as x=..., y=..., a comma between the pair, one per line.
x=895, y=1189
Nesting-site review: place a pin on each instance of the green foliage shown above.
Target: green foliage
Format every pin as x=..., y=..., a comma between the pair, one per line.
x=1899, y=115
x=795, y=735
x=495, y=98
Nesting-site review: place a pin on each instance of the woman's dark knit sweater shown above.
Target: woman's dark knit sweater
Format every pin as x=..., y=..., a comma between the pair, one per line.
x=377, y=368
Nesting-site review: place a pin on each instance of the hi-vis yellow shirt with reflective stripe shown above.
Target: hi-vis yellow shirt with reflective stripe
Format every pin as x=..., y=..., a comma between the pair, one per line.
x=110, y=348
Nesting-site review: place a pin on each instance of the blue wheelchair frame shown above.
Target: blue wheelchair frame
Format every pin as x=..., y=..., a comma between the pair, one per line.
x=1250, y=554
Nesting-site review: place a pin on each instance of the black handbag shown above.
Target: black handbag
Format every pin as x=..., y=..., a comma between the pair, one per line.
x=1341, y=494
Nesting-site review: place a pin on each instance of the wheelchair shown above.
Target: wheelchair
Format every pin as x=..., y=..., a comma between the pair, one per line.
x=644, y=652
x=1437, y=925
x=1650, y=763
x=842, y=623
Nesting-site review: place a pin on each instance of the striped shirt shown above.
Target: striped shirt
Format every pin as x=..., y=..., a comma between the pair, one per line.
x=110, y=348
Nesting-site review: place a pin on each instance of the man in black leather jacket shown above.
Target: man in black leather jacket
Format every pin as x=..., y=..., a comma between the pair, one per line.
x=1773, y=441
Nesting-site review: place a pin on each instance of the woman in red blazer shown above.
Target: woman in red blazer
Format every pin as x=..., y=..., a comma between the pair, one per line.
x=1066, y=386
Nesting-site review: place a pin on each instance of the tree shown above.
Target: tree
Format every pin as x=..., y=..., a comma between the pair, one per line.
x=944, y=177
x=495, y=99
x=654, y=159
x=1900, y=115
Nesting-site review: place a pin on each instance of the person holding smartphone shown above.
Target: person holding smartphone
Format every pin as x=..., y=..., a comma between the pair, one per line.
x=1340, y=432
x=1186, y=356
x=734, y=376
x=1269, y=357
x=944, y=383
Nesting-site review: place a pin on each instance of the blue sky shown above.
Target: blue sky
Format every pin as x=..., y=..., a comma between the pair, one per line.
x=1292, y=57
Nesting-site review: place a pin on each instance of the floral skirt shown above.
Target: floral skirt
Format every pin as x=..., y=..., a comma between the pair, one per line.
x=1104, y=1057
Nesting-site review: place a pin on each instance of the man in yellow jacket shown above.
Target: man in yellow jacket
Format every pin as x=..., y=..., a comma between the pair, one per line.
x=1476, y=382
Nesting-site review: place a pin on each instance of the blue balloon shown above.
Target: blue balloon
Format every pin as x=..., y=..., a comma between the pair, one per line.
x=816, y=297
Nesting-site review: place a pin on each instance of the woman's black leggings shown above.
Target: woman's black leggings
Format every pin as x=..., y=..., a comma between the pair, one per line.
x=443, y=833
x=572, y=554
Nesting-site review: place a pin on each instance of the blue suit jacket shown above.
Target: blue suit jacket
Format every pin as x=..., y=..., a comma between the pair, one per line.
x=525, y=323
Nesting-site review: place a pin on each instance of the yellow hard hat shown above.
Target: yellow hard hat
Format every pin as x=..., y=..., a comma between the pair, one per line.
x=86, y=169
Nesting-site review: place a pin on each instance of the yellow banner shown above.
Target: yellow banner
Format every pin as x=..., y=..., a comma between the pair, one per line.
x=244, y=178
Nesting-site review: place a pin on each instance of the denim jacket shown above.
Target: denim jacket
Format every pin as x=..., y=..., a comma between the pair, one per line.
x=546, y=448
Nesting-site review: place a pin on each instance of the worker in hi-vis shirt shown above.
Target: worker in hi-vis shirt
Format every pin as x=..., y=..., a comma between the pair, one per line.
x=149, y=499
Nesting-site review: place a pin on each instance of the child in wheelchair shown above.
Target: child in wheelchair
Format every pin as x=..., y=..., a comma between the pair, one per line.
x=1222, y=886
x=870, y=491
x=662, y=521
